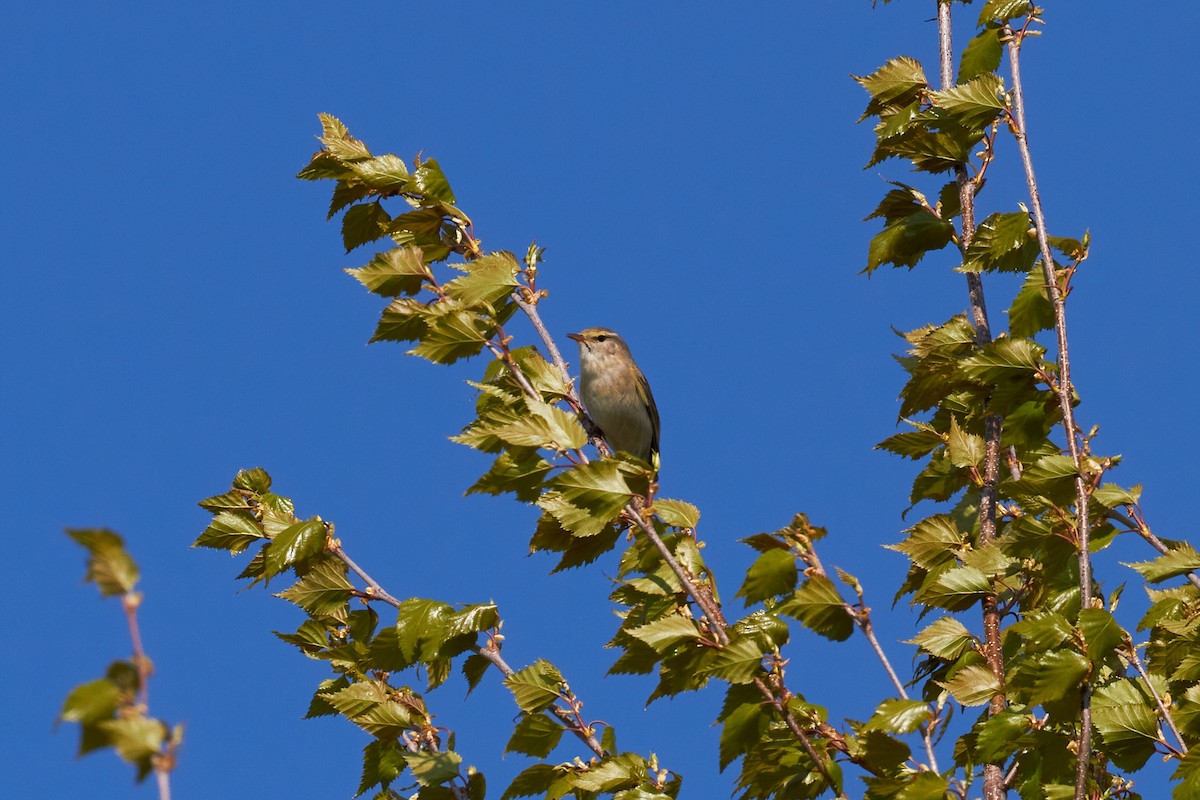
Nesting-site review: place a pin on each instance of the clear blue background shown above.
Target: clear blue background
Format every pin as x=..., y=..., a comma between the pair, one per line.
x=174, y=309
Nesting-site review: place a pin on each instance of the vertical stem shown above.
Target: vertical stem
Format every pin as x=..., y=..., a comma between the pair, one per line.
x=993, y=774
x=130, y=602
x=1065, y=392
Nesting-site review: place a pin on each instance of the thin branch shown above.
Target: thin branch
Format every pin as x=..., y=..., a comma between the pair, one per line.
x=1021, y=133
x=993, y=777
x=1162, y=708
x=164, y=760
x=1140, y=527
x=490, y=651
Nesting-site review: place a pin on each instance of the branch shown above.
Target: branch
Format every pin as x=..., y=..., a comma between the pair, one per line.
x=490, y=651
x=993, y=777
x=1140, y=527
x=1162, y=708
x=164, y=761
x=1064, y=389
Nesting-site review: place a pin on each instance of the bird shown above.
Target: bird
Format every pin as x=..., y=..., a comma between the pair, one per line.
x=616, y=394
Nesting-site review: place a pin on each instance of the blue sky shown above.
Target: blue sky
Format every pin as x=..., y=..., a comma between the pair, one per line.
x=174, y=309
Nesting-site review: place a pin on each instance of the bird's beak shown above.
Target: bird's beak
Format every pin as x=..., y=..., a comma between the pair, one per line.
x=579, y=337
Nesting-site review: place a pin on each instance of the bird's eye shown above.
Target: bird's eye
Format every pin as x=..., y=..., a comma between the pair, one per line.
x=602, y=338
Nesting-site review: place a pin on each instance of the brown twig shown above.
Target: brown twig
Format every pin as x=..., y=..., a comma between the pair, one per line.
x=1131, y=654
x=993, y=776
x=1020, y=131
x=1138, y=525
x=163, y=761
x=490, y=651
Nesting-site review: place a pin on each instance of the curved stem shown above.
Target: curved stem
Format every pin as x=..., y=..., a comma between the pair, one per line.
x=1064, y=390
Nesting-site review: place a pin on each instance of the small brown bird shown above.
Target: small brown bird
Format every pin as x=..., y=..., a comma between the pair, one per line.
x=617, y=394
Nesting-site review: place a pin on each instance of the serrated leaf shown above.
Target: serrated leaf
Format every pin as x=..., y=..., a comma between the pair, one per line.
x=1002, y=243
x=1043, y=630
x=535, y=687
x=897, y=83
x=383, y=761
x=740, y=661
x=587, y=497
x=535, y=735
x=1126, y=716
x=998, y=736
x=973, y=685
x=1101, y=633
x=433, y=769
x=819, y=605
x=230, y=531
x=904, y=241
x=912, y=444
x=946, y=638
x=981, y=55
x=294, y=544
x=1031, y=311
x=899, y=716
x=422, y=627
x=955, y=589
x=1050, y=676
x=1003, y=10
x=489, y=278
x=323, y=589
x=398, y=271
x=386, y=173
x=364, y=223
x=1110, y=495
x=1004, y=359
x=518, y=470
x=933, y=542
x=532, y=780
x=974, y=103
x=1181, y=559
x=772, y=573
x=964, y=449
x=677, y=513
x=453, y=333
x=664, y=633
x=431, y=182
x=109, y=565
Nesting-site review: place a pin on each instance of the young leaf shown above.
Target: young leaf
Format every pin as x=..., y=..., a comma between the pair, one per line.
x=946, y=639
x=109, y=565
x=973, y=685
x=535, y=735
x=772, y=573
x=323, y=590
x=295, y=544
x=536, y=687
x=981, y=55
x=398, y=271
x=821, y=608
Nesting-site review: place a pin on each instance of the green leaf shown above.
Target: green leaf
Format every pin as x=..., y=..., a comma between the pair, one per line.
x=975, y=103
x=135, y=738
x=1101, y=633
x=532, y=780
x=1126, y=716
x=819, y=606
x=383, y=761
x=295, y=544
x=109, y=565
x=665, y=633
x=946, y=639
x=1002, y=243
x=1180, y=559
x=432, y=183
x=899, y=716
x=905, y=240
x=535, y=735
x=518, y=470
x=772, y=573
x=913, y=444
x=981, y=55
x=1111, y=496
x=385, y=173
x=323, y=590
x=474, y=667
x=933, y=542
x=677, y=513
x=740, y=661
x=972, y=685
x=422, y=627
x=489, y=278
x=91, y=702
x=254, y=480
x=453, y=333
x=364, y=223
x=964, y=449
x=1031, y=311
x=433, y=769
x=404, y=320
x=1005, y=359
x=1003, y=10
x=230, y=531
x=744, y=721
x=1050, y=676
x=587, y=497
x=398, y=271
x=535, y=687
x=895, y=84
x=1043, y=630
x=999, y=735
x=955, y=589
